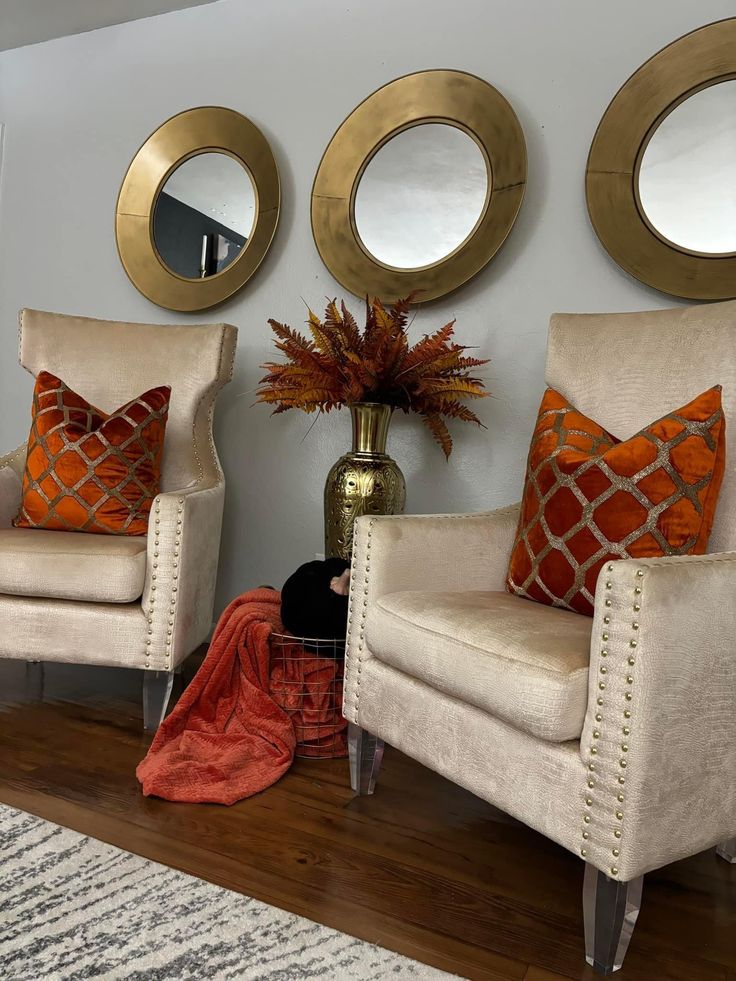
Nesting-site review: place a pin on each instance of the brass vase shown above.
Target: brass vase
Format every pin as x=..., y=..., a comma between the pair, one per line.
x=364, y=481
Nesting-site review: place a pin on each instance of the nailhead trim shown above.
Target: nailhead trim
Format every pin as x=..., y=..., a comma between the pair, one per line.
x=362, y=617
x=624, y=747
x=175, y=577
x=10, y=458
x=152, y=598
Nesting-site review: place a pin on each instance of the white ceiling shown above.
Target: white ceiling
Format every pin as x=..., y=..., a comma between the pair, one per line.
x=30, y=21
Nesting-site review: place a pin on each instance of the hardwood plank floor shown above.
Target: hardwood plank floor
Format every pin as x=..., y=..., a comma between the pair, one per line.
x=422, y=867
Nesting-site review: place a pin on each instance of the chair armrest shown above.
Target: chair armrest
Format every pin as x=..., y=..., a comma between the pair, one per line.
x=181, y=574
x=660, y=729
x=432, y=552
x=11, y=484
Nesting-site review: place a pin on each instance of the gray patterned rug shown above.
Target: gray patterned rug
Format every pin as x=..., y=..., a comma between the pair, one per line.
x=72, y=907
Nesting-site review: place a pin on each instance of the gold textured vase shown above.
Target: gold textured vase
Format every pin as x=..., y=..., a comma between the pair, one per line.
x=364, y=481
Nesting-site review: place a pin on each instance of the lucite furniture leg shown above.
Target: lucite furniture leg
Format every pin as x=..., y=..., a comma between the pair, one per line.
x=157, y=687
x=727, y=851
x=610, y=910
x=34, y=680
x=366, y=754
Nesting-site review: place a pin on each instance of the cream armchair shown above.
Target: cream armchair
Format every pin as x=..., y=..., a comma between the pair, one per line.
x=143, y=602
x=614, y=736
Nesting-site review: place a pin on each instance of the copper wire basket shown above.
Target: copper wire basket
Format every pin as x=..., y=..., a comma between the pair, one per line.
x=306, y=679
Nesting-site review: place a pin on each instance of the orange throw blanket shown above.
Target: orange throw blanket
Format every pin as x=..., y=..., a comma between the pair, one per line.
x=227, y=738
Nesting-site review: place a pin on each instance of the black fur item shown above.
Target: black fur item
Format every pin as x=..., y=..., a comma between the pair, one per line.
x=309, y=608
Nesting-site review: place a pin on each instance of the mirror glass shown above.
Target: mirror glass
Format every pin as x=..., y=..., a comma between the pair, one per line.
x=687, y=178
x=204, y=215
x=421, y=195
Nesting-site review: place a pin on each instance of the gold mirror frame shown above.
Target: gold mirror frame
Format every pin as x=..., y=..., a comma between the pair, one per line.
x=207, y=129
x=439, y=96
x=691, y=63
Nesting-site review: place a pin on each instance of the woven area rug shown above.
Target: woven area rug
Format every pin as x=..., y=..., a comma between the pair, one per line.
x=72, y=907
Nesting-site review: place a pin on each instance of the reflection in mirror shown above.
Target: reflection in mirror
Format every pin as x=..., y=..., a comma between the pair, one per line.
x=421, y=195
x=204, y=215
x=687, y=178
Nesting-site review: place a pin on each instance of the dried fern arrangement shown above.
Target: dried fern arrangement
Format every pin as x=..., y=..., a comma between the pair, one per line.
x=342, y=365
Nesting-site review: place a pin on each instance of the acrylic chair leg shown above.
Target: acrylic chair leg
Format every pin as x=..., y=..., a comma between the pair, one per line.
x=157, y=687
x=610, y=910
x=727, y=850
x=366, y=754
x=34, y=680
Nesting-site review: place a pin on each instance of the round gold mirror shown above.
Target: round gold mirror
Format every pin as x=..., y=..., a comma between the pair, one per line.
x=421, y=195
x=686, y=174
x=420, y=186
x=661, y=175
x=198, y=209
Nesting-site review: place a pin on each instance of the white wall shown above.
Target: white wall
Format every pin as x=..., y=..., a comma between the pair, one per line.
x=77, y=109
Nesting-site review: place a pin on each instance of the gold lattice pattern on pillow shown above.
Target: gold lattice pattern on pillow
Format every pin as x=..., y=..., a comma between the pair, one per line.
x=589, y=497
x=87, y=470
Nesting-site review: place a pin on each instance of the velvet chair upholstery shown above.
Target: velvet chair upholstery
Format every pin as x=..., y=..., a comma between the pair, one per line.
x=139, y=602
x=614, y=736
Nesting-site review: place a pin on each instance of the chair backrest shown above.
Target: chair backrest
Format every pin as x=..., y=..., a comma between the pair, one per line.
x=110, y=362
x=626, y=370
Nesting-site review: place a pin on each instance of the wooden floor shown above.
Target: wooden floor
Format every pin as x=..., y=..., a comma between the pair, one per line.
x=422, y=867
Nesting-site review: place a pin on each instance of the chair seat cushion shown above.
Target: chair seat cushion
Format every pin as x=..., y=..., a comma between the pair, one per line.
x=68, y=565
x=523, y=662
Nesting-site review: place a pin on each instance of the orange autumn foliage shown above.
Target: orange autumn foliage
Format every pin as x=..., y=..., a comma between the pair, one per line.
x=340, y=364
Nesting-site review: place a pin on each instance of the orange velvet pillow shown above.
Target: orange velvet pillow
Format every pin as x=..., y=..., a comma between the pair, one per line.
x=589, y=498
x=89, y=471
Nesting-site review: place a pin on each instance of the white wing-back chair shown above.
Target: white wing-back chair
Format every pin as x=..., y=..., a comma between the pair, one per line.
x=135, y=602
x=627, y=758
